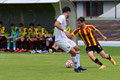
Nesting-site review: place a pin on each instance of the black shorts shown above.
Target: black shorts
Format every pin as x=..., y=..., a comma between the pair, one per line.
x=53, y=39
x=97, y=48
x=2, y=38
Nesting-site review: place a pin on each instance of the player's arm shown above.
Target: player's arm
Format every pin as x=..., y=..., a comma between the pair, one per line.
x=17, y=33
x=98, y=32
x=58, y=25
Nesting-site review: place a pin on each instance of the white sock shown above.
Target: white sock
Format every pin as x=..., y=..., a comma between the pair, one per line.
x=78, y=60
x=14, y=48
x=8, y=48
x=74, y=61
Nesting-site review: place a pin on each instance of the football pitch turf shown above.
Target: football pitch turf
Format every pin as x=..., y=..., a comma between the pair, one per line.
x=24, y=66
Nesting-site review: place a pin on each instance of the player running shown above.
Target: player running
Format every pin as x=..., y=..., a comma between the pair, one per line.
x=62, y=40
x=85, y=32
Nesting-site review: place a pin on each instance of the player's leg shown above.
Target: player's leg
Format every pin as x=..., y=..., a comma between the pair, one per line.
x=39, y=50
x=9, y=44
x=93, y=58
x=106, y=56
x=54, y=48
x=46, y=46
x=27, y=44
x=63, y=44
x=22, y=44
x=33, y=49
x=3, y=40
x=14, y=44
x=77, y=48
x=18, y=44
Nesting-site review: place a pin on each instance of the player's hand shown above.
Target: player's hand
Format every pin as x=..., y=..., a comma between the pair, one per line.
x=105, y=38
x=68, y=34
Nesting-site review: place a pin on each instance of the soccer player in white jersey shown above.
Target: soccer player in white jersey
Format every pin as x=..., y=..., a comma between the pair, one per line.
x=61, y=38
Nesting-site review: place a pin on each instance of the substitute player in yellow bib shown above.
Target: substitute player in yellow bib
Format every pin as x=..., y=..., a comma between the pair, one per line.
x=40, y=33
x=32, y=38
x=3, y=36
x=21, y=40
x=86, y=33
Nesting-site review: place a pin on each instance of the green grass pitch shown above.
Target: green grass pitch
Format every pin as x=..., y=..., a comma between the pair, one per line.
x=24, y=66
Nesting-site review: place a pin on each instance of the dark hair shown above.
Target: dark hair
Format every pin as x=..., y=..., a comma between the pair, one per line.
x=12, y=25
x=67, y=21
x=81, y=19
x=20, y=24
x=31, y=24
x=39, y=25
x=55, y=20
x=66, y=9
x=1, y=22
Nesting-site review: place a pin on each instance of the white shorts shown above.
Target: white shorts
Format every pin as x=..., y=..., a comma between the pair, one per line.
x=66, y=44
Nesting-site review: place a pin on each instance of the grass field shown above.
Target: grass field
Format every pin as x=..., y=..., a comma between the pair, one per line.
x=24, y=66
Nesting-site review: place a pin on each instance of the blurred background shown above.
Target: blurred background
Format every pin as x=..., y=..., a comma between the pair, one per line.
x=103, y=14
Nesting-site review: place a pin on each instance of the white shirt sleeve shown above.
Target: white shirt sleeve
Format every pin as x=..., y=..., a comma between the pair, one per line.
x=61, y=18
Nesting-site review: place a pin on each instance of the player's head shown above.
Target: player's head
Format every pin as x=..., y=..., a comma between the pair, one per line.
x=39, y=27
x=12, y=26
x=81, y=22
x=21, y=26
x=66, y=10
x=31, y=25
x=1, y=23
x=67, y=22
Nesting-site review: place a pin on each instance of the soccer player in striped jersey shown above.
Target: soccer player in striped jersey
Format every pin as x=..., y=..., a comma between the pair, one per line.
x=86, y=33
x=21, y=40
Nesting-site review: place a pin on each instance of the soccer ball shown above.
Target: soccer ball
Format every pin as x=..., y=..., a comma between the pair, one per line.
x=69, y=64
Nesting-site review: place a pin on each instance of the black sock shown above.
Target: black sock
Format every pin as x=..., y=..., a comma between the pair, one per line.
x=38, y=45
x=53, y=49
x=47, y=48
x=28, y=45
x=98, y=62
x=22, y=44
x=35, y=45
x=19, y=44
x=109, y=58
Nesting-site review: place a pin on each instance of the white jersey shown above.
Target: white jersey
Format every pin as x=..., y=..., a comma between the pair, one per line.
x=60, y=35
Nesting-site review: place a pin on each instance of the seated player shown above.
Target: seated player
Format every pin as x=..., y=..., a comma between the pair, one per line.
x=68, y=29
x=86, y=32
x=3, y=36
x=53, y=46
x=32, y=38
x=21, y=40
x=14, y=35
x=41, y=36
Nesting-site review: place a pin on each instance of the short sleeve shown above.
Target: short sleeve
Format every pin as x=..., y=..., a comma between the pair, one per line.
x=92, y=28
x=61, y=18
x=75, y=33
